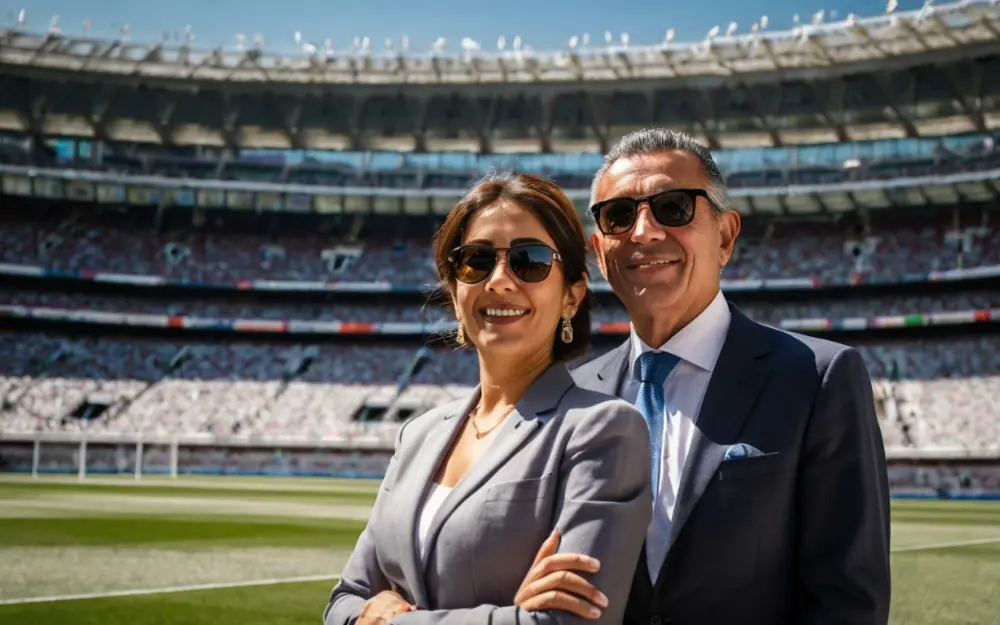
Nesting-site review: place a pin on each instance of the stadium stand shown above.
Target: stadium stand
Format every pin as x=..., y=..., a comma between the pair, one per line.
x=255, y=266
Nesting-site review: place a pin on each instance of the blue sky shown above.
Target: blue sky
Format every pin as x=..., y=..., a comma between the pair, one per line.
x=544, y=24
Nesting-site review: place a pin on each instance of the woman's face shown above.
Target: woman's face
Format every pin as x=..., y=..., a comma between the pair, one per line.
x=503, y=314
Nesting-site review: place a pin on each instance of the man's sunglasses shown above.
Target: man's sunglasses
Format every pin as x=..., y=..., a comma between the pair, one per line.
x=530, y=262
x=673, y=208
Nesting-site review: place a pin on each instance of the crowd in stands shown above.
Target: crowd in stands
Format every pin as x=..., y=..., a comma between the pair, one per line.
x=929, y=394
x=605, y=310
x=804, y=165
x=886, y=249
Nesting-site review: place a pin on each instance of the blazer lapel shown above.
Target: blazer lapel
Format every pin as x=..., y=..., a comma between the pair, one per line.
x=736, y=381
x=609, y=375
x=542, y=396
x=415, y=485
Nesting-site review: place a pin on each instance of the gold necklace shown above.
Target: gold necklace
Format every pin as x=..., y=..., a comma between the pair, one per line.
x=482, y=435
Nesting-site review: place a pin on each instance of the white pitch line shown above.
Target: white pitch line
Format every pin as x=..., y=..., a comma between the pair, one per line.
x=170, y=589
x=321, y=578
x=959, y=543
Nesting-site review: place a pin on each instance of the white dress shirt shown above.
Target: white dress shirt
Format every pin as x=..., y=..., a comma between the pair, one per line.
x=697, y=345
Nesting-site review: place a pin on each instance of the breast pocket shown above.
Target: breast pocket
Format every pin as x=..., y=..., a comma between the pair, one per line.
x=530, y=489
x=757, y=466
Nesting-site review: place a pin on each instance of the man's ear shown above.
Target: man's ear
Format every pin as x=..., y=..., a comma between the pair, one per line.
x=729, y=231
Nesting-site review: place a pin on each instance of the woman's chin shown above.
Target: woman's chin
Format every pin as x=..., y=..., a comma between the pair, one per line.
x=507, y=344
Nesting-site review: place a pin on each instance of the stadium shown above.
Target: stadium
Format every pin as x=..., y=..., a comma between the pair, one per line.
x=218, y=304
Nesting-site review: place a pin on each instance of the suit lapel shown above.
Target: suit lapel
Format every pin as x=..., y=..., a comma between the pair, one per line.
x=738, y=377
x=542, y=396
x=415, y=485
x=611, y=370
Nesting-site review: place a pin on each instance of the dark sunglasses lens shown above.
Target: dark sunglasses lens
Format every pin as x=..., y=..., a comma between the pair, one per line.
x=474, y=264
x=672, y=209
x=617, y=216
x=530, y=263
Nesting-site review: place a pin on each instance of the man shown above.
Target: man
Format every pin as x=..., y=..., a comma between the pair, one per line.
x=771, y=500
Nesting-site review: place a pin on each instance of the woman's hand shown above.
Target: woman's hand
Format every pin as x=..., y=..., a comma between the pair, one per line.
x=552, y=584
x=381, y=608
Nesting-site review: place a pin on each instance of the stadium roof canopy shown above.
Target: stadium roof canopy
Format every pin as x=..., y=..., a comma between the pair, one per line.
x=853, y=41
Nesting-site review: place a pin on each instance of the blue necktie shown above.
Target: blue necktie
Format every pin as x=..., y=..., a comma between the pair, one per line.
x=654, y=367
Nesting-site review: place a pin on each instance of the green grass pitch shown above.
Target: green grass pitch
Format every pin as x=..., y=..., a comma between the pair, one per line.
x=106, y=536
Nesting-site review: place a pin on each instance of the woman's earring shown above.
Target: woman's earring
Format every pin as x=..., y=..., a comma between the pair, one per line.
x=567, y=331
x=460, y=334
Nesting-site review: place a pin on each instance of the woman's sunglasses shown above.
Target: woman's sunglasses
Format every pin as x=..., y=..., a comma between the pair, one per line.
x=673, y=208
x=530, y=262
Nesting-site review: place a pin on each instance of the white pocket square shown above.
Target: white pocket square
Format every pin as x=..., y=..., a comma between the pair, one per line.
x=741, y=450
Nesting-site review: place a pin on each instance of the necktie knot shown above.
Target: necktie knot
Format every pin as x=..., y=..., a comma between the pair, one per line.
x=654, y=367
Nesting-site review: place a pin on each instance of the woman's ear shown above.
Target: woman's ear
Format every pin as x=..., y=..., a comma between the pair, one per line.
x=574, y=297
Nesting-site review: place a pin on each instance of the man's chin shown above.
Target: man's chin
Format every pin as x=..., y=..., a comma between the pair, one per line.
x=645, y=288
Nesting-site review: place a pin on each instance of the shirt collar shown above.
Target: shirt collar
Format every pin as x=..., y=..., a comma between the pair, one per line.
x=699, y=342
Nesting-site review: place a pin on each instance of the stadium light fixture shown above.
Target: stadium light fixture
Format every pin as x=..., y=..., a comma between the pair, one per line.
x=54, y=25
x=818, y=17
x=517, y=43
x=573, y=41
x=891, y=7
x=712, y=33
x=240, y=41
x=733, y=27
x=188, y=34
x=469, y=44
x=297, y=38
x=763, y=22
x=328, y=46
x=405, y=43
x=669, y=37
x=625, y=40
x=126, y=32
x=795, y=20
x=22, y=18
x=607, y=37
x=258, y=41
x=87, y=25
x=586, y=40
x=439, y=44
x=501, y=42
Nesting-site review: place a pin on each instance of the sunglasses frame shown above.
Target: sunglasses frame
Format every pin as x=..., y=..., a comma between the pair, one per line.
x=694, y=194
x=453, y=257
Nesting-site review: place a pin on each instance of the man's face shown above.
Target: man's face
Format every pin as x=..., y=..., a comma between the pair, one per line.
x=656, y=269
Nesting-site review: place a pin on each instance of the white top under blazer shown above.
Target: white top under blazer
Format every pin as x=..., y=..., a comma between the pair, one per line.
x=435, y=498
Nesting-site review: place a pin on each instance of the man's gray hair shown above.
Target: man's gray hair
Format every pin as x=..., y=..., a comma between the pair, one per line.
x=655, y=140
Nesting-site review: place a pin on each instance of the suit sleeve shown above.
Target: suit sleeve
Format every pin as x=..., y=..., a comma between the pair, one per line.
x=605, y=509
x=843, y=503
x=362, y=577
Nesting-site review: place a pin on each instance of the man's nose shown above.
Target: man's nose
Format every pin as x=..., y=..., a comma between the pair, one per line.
x=647, y=229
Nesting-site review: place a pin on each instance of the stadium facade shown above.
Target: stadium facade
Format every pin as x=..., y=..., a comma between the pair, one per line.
x=216, y=261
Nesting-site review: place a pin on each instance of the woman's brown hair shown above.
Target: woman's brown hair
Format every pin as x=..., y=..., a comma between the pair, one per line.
x=546, y=201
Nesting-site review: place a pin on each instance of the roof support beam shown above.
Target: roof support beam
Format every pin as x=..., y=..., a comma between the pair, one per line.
x=968, y=89
x=892, y=100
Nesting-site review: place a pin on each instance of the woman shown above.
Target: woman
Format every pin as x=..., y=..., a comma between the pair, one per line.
x=476, y=486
